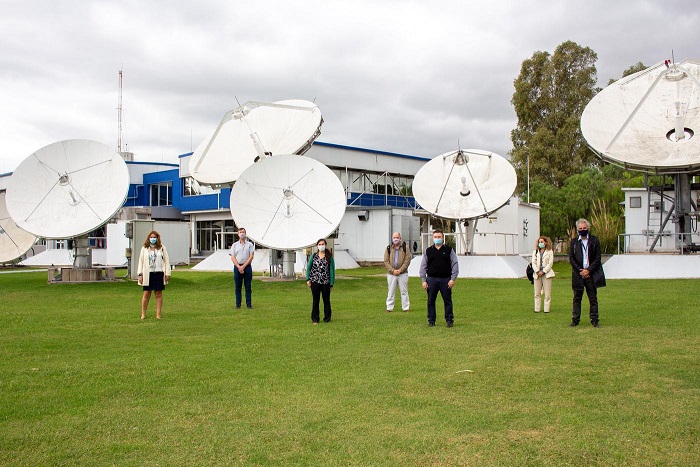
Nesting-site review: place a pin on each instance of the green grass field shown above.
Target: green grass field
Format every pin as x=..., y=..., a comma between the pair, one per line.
x=84, y=381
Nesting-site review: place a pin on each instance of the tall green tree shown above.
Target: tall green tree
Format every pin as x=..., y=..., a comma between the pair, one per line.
x=551, y=92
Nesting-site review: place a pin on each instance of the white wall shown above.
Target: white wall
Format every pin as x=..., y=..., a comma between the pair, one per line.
x=117, y=243
x=175, y=236
x=641, y=231
x=513, y=229
x=368, y=160
x=367, y=240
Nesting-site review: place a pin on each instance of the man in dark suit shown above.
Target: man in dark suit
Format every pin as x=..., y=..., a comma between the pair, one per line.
x=587, y=271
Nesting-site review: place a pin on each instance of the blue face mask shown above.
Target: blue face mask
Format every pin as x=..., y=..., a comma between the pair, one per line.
x=541, y=245
x=437, y=241
x=583, y=233
x=153, y=240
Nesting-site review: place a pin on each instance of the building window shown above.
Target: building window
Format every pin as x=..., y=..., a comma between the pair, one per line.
x=206, y=235
x=635, y=201
x=191, y=187
x=215, y=235
x=162, y=194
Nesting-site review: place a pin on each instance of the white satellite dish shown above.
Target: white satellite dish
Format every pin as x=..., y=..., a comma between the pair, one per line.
x=67, y=189
x=14, y=242
x=251, y=132
x=464, y=184
x=288, y=202
x=648, y=121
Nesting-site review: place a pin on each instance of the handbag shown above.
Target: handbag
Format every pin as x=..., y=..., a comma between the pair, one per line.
x=530, y=273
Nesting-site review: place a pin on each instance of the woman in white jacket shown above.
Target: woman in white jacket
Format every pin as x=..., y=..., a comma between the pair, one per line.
x=153, y=271
x=542, y=261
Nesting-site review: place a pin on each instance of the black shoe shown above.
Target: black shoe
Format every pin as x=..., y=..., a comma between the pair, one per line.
x=431, y=323
x=238, y=307
x=573, y=324
x=595, y=325
x=450, y=324
x=250, y=307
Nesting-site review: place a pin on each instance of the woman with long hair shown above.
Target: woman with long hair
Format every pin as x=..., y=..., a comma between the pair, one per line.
x=320, y=276
x=542, y=262
x=153, y=271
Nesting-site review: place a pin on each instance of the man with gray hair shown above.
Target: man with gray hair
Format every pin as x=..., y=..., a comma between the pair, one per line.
x=396, y=260
x=587, y=271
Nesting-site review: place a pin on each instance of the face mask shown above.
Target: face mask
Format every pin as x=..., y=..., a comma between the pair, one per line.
x=153, y=240
x=583, y=233
x=437, y=241
x=241, y=236
x=396, y=241
x=322, y=248
x=541, y=245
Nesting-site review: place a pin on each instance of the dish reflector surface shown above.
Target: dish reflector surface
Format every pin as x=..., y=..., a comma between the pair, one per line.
x=251, y=131
x=636, y=121
x=464, y=184
x=14, y=242
x=288, y=202
x=67, y=189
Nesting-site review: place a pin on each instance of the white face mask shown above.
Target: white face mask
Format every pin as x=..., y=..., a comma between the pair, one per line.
x=322, y=248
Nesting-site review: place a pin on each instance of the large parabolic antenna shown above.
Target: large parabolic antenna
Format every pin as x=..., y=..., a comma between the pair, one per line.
x=14, y=242
x=67, y=189
x=464, y=184
x=648, y=121
x=251, y=132
x=288, y=202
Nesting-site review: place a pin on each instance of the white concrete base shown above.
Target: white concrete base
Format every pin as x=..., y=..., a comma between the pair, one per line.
x=343, y=260
x=65, y=258
x=221, y=261
x=652, y=266
x=486, y=267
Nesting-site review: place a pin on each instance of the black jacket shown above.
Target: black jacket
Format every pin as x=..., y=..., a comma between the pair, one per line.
x=595, y=265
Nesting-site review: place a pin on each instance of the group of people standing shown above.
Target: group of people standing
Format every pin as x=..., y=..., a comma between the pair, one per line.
x=439, y=270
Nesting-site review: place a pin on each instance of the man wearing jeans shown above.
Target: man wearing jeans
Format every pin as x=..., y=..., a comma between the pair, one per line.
x=438, y=270
x=242, y=255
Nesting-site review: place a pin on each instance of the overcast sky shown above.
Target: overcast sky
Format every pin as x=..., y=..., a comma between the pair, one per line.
x=412, y=77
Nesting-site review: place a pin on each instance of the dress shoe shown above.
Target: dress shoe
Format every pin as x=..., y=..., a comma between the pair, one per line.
x=595, y=325
x=450, y=324
x=431, y=324
x=573, y=324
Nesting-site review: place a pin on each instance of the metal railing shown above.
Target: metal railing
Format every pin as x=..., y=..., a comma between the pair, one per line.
x=508, y=239
x=625, y=241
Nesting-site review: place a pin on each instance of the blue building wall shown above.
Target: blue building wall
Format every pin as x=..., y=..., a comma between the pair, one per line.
x=139, y=195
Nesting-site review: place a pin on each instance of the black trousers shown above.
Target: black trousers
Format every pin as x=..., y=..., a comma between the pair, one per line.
x=318, y=290
x=592, y=293
x=439, y=285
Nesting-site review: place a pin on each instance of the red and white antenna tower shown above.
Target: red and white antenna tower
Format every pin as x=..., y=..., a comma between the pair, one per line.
x=119, y=115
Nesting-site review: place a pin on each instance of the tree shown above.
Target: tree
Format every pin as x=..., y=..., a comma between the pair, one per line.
x=551, y=92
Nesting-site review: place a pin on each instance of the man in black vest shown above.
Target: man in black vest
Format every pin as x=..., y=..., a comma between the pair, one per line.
x=587, y=271
x=438, y=270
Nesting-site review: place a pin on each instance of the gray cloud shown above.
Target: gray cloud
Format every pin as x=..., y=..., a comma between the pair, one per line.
x=410, y=77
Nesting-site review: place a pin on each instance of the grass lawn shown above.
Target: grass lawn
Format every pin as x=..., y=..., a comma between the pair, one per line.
x=83, y=381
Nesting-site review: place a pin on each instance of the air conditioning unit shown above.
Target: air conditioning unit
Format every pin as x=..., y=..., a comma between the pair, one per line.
x=363, y=215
